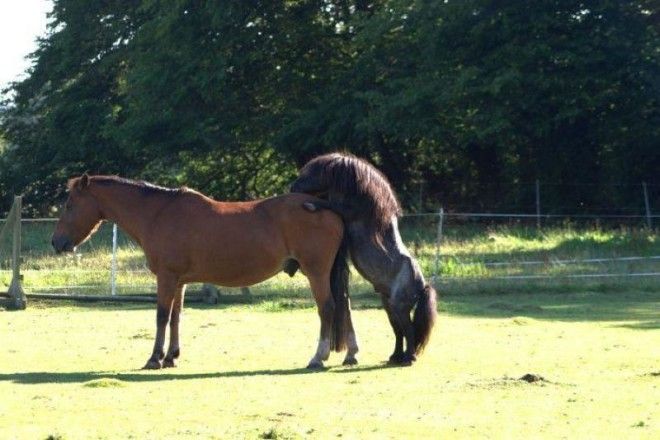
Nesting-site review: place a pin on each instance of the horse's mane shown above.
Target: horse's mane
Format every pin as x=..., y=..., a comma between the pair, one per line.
x=145, y=188
x=362, y=184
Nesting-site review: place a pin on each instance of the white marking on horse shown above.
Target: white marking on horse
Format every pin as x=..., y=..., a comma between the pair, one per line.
x=322, y=352
x=397, y=238
x=400, y=282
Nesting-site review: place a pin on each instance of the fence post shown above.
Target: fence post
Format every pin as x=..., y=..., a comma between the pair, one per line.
x=18, y=301
x=538, y=204
x=647, y=205
x=113, y=273
x=441, y=216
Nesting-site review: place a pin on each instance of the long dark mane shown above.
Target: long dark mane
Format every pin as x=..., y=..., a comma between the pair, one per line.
x=359, y=182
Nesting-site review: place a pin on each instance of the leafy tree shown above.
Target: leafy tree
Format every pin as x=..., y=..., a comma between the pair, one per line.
x=470, y=101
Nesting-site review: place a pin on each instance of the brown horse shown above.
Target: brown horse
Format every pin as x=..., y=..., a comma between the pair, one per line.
x=188, y=237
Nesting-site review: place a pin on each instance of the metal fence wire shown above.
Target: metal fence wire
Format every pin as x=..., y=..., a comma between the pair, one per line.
x=452, y=249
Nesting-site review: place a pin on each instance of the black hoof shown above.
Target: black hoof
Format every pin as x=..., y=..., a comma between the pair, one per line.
x=402, y=359
x=152, y=364
x=350, y=361
x=315, y=365
x=169, y=363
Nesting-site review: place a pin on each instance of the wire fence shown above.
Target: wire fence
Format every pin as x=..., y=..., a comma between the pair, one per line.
x=455, y=249
x=539, y=198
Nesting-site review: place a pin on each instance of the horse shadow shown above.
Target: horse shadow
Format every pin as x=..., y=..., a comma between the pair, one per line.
x=141, y=376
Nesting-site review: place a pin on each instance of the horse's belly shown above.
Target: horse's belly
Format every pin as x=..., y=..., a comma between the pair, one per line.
x=377, y=264
x=235, y=272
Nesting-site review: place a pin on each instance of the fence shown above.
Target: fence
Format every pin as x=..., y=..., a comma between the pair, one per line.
x=12, y=228
x=537, y=198
x=458, y=249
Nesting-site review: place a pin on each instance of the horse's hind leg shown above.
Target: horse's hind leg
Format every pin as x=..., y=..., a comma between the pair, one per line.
x=351, y=342
x=401, y=314
x=166, y=291
x=173, y=350
x=326, y=308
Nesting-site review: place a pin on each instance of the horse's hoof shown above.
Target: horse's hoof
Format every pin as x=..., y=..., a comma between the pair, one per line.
x=402, y=359
x=169, y=363
x=350, y=361
x=152, y=365
x=315, y=365
x=395, y=359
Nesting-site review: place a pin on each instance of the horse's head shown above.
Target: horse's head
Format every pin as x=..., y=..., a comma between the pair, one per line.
x=312, y=179
x=317, y=177
x=80, y=217
x=363, y=192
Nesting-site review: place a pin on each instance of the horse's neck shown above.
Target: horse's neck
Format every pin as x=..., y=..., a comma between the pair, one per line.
x=130, y=210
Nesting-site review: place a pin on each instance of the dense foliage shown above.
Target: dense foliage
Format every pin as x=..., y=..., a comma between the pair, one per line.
x=466, y=103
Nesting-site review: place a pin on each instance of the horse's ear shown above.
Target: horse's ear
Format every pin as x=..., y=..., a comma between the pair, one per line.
x=83, y=182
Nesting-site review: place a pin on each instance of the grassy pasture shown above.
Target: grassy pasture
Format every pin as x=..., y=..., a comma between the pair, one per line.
x=71, y=371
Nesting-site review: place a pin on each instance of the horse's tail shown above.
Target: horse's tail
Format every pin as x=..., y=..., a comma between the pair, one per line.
x=339, y=287
x=424, y=317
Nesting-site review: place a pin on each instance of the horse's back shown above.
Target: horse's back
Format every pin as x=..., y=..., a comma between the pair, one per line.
x=289, y=212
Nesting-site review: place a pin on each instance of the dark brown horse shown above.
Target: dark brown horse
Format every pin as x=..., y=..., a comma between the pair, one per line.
x=188, y=237
x=364, y=198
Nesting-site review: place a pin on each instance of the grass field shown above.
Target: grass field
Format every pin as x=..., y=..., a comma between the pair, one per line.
x=71, y=372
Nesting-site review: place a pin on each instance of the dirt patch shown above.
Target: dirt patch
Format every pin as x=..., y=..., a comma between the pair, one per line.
x=532, y=378
x=522, y=320
x=506, y=381
x=142, y=334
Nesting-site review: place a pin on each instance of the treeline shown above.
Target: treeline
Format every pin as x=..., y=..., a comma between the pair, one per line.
x=458, y=102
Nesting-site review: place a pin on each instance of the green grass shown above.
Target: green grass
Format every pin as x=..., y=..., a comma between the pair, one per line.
x=72, y=372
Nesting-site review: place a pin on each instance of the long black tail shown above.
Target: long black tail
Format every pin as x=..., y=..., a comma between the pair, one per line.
x=339, y=276
x=424, y=317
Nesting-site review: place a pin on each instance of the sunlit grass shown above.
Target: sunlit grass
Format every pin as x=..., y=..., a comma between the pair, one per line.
x=74, y=372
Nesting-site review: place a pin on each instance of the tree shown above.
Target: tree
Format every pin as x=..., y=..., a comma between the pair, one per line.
x=473, y=100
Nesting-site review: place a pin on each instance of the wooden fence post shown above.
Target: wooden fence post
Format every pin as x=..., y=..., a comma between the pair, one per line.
x=538, y=204
x=441, y=215
x=17, y=299
x=649, y=222
x=113, y=269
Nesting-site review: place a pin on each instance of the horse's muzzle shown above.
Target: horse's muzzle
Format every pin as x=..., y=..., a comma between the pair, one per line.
x=62, y=244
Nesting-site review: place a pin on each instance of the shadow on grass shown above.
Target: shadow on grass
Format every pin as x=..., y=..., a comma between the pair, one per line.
x=34, y=378
x=638, y=309
x=644, y=325
x=635, y=309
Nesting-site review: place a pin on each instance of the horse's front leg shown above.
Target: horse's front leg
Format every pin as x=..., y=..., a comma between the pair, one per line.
x=173, y=350
x=397, y=355
x=401, y=317
x=166, y=292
